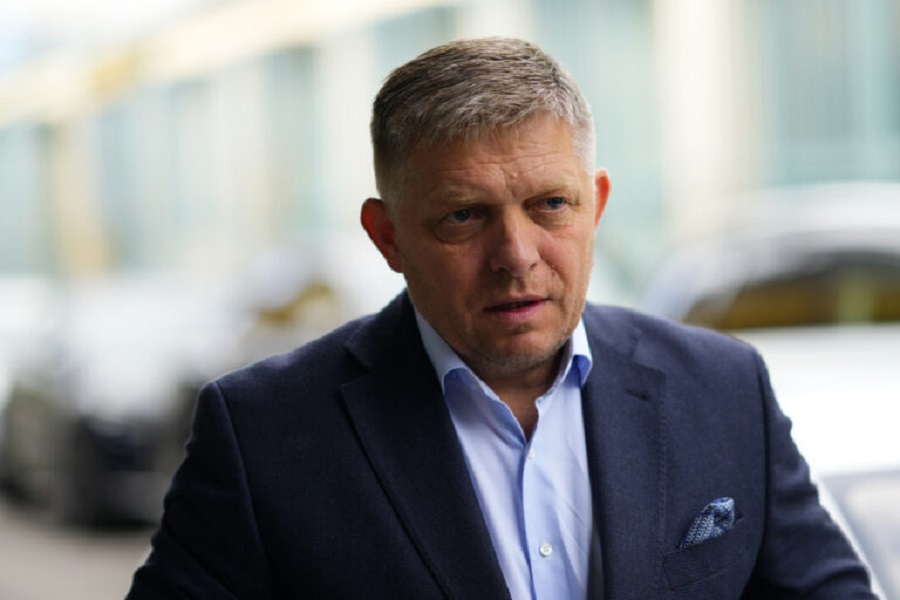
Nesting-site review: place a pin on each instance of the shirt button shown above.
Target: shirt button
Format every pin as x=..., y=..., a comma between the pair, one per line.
x=531, y=455
x=545, y=549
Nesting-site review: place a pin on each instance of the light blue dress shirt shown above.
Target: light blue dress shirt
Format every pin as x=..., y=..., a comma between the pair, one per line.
x=535, y=494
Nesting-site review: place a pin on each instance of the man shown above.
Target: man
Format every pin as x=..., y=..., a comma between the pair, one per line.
x=487, y=435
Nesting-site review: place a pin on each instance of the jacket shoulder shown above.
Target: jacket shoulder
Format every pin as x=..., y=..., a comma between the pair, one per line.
x=326, y=362
x=642, y=335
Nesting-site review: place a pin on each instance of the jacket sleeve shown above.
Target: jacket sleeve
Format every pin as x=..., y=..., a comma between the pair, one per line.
x=804, y=553
x=207, y=545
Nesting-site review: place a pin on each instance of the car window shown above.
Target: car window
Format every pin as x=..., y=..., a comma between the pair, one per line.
x=845, y=290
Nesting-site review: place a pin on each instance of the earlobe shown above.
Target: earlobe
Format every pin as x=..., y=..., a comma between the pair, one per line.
x=377, y=222
x=601, y=187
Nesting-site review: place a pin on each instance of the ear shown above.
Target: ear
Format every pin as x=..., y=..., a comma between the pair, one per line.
x=601, y=188
x=377, y=222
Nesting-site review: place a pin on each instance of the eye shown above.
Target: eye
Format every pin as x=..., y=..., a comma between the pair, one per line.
x=459, y=225
x=459, y=216
x=553, y=211
x=555, y=203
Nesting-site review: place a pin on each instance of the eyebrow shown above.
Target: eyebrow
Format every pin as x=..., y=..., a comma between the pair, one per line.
x=454, y=200
x=459, y=195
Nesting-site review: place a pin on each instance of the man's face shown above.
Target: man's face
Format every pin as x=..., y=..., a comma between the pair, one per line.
x=495, y=240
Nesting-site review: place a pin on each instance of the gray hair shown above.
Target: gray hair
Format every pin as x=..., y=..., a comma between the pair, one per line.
x=468, y=89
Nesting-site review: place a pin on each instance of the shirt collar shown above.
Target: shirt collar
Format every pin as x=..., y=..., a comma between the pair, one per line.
x=445, y=359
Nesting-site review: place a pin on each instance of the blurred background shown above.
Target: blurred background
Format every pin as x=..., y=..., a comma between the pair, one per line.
x=179, y=191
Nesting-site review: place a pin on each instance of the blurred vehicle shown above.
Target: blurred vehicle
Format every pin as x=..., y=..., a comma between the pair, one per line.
x=290, y=295
x=91, y=424
x=95, y=422
x=25, y=321
x=825, y=255
x=813, y=281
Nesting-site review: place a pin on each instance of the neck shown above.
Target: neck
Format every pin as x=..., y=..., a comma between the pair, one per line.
x=520, y=391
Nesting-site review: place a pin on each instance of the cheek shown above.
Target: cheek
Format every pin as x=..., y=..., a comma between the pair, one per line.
x=571, y=260
x=445, y=275
x=450, y=262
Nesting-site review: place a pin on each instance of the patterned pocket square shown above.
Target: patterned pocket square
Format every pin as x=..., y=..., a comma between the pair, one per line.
x=716, y=518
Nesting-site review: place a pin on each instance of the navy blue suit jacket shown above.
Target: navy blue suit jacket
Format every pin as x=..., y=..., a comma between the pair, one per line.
x=334, y=472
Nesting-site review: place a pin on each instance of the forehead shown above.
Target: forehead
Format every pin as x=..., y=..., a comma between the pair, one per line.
x=524, y=159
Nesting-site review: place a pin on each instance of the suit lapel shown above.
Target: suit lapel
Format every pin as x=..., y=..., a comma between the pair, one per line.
x=406, y=431
x=626, y=457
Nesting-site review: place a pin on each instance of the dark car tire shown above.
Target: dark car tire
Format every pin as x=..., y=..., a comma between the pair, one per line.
x=75, y=497
x=8, y=483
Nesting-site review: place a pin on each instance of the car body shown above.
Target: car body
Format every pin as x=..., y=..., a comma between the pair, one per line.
x=96, y=421
x=90, y=424
x=812, y=280
x=25, y=323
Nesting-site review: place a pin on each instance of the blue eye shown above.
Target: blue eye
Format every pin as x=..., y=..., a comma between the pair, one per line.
x=460, y=216
x=555, y=203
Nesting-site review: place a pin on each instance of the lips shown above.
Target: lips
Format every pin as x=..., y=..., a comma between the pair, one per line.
x=512, y=306
x=516, y=310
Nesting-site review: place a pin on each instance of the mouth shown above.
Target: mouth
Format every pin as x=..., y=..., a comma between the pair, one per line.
x=516, y=308
x=505, y=306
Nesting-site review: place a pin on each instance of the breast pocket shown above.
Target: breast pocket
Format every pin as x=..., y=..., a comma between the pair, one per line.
x=705, y=560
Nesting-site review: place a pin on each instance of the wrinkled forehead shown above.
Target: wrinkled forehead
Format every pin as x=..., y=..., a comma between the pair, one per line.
x=532, y=159
x=439, y=131
x=397, y=172
x=492, y=140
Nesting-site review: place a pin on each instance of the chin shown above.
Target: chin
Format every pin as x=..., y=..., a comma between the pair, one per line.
x=523, y=358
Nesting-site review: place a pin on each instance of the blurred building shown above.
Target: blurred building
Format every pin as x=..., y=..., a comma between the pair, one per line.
x=221, y=128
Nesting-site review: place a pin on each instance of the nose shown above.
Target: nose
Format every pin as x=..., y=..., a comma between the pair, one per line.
x=515, y=245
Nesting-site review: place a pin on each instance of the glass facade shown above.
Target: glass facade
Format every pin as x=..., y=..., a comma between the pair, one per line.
x=210, y=168
x=830, y=77
x=25, y=213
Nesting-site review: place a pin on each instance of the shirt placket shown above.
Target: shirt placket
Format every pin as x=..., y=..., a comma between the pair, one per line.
x=543, y=538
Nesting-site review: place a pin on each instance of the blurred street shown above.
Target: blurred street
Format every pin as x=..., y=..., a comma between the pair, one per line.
x=42, y=561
